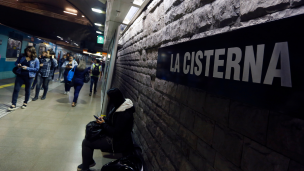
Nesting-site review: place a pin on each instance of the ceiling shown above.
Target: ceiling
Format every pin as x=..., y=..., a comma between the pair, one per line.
x=46, y=19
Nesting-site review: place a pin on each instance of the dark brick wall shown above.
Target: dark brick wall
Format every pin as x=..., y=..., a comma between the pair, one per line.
x=182, y=128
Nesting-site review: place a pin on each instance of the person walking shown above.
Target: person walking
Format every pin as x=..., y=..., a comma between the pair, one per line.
x=52, y=53
x=61, y=70
x=47, y=65
x=27, y=65
x=35, y=80
x=78, y=79
x=68, y=65
x=96, y=70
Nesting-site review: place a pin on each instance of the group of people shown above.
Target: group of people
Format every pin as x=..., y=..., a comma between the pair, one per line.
x=37, y=72
x=118, y=124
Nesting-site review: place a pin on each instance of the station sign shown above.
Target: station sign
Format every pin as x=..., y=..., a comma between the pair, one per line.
x=100, y=39
x=260, y=65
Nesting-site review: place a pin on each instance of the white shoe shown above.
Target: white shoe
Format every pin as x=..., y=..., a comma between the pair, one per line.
x=65, y=92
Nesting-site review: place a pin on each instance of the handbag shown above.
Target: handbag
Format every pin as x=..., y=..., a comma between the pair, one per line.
x=87, y=77
x=71, y=74
x=17, y=70
x=93, y=131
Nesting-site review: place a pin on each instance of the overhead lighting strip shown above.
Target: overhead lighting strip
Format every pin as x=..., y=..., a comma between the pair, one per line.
x=98, y=10
x=69, y=13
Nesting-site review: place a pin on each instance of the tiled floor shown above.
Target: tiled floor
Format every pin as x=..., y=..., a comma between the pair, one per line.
x=47, y=136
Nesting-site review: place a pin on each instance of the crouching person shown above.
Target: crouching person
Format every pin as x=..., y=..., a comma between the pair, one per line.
x=116, y=127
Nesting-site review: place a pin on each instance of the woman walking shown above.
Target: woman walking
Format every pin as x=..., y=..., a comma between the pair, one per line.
x=47, y=65
x=27, y=65
x=68, y=65
x=78, y=80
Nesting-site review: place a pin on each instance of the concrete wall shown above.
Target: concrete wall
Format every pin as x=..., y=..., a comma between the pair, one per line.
x=182, y=128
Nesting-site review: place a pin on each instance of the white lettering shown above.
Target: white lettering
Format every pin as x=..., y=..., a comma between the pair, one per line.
x=208, y=54
x=198, y=70
x=255, y=65
x=280, y=49
x=186, y=67
x=176, y=69
x=234, y=64
x=218, y=63
x=171, y=68
x=192, y=62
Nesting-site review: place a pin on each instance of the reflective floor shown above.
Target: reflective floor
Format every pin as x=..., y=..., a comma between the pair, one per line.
x=47, y=136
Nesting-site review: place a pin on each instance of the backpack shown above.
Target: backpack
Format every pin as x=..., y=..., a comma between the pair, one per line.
x=96, y=70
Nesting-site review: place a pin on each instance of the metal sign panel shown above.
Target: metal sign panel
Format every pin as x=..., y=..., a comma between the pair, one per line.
x=100, y=39
x=260, y=65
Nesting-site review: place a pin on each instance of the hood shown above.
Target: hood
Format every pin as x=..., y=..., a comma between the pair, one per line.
x=126, y=105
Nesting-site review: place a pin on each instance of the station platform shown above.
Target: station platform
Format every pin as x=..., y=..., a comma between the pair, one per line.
x=47, y=135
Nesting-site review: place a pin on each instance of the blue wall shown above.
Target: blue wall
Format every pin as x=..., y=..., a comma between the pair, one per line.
x=7, y=66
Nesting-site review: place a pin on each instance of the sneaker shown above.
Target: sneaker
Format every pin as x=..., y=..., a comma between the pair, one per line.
x=79, y=168
x=35, y=98
x=65, y=92
x=43, y=97
x=11, y=108
x=24, y=106
x=90, y=94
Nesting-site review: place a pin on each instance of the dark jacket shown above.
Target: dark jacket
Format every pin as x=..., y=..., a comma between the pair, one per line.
x=119, y=125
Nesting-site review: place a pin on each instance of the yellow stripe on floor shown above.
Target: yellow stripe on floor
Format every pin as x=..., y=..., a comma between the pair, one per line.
x=7, y=85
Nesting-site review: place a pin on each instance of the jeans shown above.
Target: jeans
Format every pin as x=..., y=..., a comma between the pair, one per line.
x=18, y=83
x=94, y=80
x=77, y=87
x=61, y=71
x=67, y=87
x=44, y=81
x=104, y=144
x=35, y=81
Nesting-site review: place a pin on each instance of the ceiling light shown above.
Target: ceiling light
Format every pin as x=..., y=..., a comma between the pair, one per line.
x=98, y=32
x=138, y=2
x=98, y=10
x=130, y=15
x=69, y=12
x=98, y=24
x=82, y=15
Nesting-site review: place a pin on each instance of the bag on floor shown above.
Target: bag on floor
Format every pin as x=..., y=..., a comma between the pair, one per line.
x=128, y=163
x=87, y=77
x=93, y=131
x=71, y=74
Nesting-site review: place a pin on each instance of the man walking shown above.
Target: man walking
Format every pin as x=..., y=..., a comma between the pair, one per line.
x=96, y=71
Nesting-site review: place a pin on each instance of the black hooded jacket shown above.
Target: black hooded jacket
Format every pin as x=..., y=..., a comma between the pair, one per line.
x=119, y=125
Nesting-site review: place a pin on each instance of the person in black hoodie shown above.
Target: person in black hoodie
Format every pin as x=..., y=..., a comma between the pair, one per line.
x=117, y=127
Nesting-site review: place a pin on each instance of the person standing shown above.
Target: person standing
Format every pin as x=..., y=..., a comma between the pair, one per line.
x=78, y=79
x=35, y=80
x=27, y=65
x=68, y=65
x=47, y=65
x=96, y=70
x=61, y=70
x=52, y=53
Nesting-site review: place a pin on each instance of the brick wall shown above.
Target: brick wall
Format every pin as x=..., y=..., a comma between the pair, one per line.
x=182, y=128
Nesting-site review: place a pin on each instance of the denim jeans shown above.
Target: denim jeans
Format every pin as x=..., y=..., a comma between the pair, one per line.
x=61, y=71
x=77, y=88
x=44, y=81
x=35, y=81
x=94, y=80
x=18, y=83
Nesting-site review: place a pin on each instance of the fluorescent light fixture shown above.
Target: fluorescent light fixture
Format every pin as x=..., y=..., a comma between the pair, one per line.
x=138, y=2
x=82, y=15
x=130, y=15
x=69, y=12
x=98, y=24
x=98, y=32
x=98, y=10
